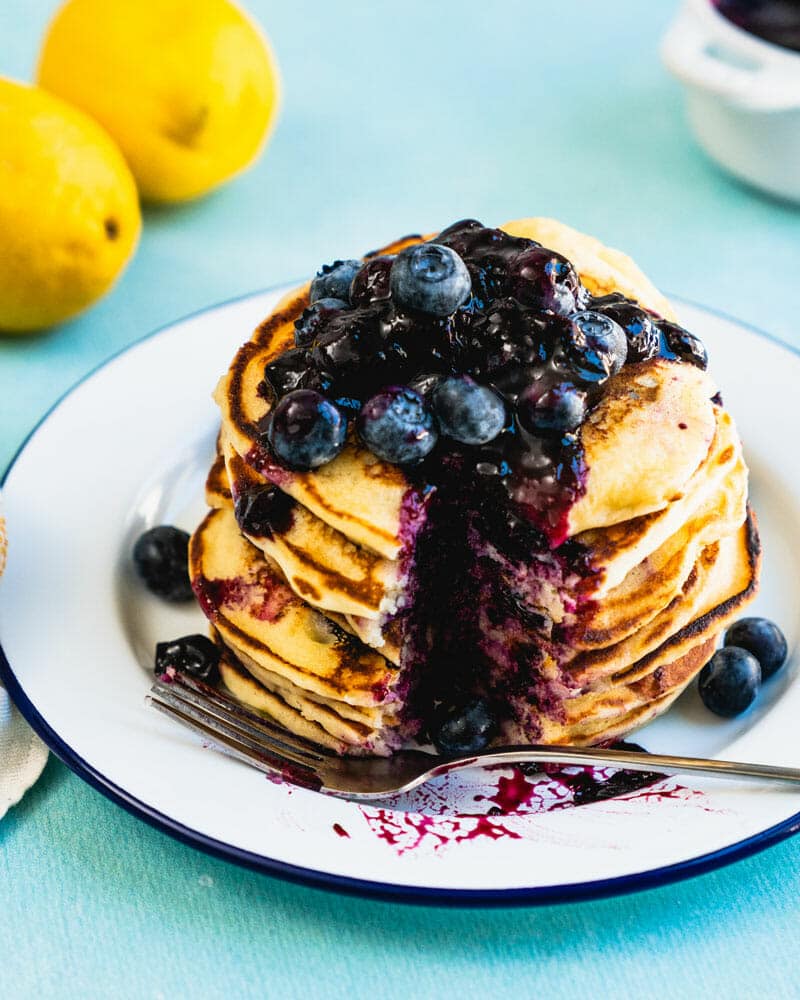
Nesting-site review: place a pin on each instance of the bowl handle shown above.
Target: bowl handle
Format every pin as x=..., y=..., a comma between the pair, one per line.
x=701, y=53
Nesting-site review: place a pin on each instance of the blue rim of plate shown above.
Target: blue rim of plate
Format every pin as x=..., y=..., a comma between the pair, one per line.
x=431, y=895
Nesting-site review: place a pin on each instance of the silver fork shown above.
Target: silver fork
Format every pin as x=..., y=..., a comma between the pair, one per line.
x=255, y=740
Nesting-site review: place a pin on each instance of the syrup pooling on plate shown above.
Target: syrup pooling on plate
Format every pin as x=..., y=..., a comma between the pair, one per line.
x=411, y=377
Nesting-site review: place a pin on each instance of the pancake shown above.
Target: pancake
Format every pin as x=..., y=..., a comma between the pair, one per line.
x=321, y=564
x=253, y=609
x=218, y=487
x=613, y=713
x=727, y=575
x=353, y=599
x=652, y=584
x=370, y=501
x=313, y=723
x=643, y=443
x=722, y=582
x=618, y=548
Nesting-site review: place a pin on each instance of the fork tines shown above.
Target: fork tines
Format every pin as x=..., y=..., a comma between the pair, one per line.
x=233, y=728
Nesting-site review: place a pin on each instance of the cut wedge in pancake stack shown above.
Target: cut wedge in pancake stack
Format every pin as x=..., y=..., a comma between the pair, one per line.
x=571, y=584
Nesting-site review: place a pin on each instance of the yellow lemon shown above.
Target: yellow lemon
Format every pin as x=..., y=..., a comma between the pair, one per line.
x=188, y=88
x=69, y=211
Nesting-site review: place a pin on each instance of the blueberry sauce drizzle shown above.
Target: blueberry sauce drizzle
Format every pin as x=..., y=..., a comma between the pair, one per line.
x=513, y=331
x=439, y=815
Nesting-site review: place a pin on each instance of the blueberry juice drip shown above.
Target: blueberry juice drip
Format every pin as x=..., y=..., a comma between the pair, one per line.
x=543, y=476
x=477, y=627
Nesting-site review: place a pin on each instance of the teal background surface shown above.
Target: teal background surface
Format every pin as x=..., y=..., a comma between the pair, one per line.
x=399, y=118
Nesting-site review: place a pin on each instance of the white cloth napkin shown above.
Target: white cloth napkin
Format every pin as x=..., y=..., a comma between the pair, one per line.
x=22, y=755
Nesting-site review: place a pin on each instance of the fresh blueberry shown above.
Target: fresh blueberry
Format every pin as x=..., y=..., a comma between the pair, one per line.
x=397, y=425
x=643, y=339
x=262, y=510
x=308, y=326
x=544, y=279
x=430, y=278
x=466, y=728
x=333, y=280
x=729, y=682
x=680, y=344
x=161, y=557
x=371, y=283
x=193, y=654
x=595, y=347
x=306, y=430
x=287, y=371
x=557, y=409
x=468, y=412
x=763, y=639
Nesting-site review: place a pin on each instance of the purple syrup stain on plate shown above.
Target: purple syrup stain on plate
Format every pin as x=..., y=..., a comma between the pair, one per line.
x=433, y=817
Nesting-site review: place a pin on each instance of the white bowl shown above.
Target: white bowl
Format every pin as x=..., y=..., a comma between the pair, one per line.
x=743, y=97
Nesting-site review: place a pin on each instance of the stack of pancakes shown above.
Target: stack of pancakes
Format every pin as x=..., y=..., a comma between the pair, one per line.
x=344, y=616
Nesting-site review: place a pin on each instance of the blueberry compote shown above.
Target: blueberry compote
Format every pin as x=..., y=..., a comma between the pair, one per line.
x=776, y=21
x=520, y=326
x=482, y=405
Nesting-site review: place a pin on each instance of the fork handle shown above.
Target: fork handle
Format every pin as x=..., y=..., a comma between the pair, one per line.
x=633, y=760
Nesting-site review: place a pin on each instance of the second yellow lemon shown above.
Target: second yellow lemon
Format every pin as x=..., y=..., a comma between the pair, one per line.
x=188, y=88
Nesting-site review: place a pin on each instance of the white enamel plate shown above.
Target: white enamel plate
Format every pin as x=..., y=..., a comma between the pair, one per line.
x=129, y=447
